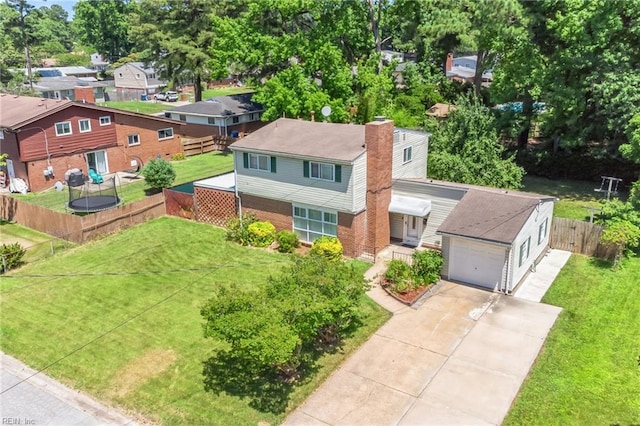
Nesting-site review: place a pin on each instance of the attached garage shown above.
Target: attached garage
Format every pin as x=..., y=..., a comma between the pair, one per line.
x=477, y=263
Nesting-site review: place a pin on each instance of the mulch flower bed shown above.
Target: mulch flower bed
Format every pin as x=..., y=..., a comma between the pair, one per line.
x=407, y=297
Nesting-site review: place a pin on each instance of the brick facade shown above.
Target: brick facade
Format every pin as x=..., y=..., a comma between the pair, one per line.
x=352, y=233
x=378, y=136
x=193, y=130
x=277, y=212
x=214, y=206
x=150, y=146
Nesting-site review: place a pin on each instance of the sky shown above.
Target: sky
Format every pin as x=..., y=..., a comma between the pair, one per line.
x=66, y=4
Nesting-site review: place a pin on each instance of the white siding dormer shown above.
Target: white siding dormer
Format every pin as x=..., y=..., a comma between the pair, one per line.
x=409, y=154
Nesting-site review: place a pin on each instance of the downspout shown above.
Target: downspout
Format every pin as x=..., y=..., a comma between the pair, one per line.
x=508, y=277
x=235, y=186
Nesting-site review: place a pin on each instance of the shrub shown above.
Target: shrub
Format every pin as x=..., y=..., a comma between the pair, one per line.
x=159, y=173
x=329, y=247
x=261, y=234
x=399, y=274
x=237, y=228
x=426, y=266
x=179, y=157
x=11, y=256
x=288, y=241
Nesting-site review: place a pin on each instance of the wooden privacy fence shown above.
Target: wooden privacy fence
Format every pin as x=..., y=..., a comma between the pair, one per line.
x=179, y=204
x=206, y=144
x=581, y=237
x=80, y=228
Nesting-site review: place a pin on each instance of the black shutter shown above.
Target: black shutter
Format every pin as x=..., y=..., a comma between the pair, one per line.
x=245, y=159
x=338, y=173
x=305, y=168
x=273, y=164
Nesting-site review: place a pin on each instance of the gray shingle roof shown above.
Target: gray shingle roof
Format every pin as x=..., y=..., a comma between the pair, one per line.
x=222, y=106
x=331, y=141
x=491, y=214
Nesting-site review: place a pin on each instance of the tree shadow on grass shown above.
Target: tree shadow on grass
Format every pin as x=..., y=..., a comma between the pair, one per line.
x=266, y=390
x=601, y=263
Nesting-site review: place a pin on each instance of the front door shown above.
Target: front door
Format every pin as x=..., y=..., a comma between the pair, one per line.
x=97, y=161
x=412, y=230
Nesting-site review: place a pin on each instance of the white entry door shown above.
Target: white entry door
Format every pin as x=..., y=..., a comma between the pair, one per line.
x=97, y=161
x=412, y=230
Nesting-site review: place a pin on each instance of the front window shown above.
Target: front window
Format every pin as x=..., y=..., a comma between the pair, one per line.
x=85, y=125
x=407, y=154
x=211, y=120
x=235, y=120
x=105, y=121
x=524, y=251
x=322, y=171
x=133, y=139
x=311, y=223
x=63, y=128
x=165, y=133
x=259, y=162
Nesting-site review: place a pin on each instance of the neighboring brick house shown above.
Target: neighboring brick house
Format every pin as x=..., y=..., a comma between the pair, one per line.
x=220, y=116
x=44, y=138
x=321, y=178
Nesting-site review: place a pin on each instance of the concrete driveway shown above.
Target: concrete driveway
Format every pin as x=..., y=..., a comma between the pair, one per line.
x=460, y=358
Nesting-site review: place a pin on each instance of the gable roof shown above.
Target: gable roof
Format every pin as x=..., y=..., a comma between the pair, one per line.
x=331, y=141
x=491, y=214
x=222, y=106
x=18, y=111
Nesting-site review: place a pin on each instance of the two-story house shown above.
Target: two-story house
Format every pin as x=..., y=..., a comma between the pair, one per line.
x=366, y=185
x=220, y=116
x=44, y=138
x=135, y=79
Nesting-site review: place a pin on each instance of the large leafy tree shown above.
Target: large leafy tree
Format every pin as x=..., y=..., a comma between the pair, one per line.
x=465, y=148
x=103, y=24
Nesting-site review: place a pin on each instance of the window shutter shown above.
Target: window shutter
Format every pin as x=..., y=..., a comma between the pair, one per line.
x=273, y=164
x=245, y=159
x=305, y=168
x=338, y=173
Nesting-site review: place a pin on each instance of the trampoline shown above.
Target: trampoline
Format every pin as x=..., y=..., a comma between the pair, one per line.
x=92, y=198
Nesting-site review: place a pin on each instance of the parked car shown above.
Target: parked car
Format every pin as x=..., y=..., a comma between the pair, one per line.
x=166, y=96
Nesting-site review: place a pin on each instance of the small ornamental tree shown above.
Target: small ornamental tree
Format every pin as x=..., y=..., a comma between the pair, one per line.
x=11, y=256
x=623, y=235
x=159, y=173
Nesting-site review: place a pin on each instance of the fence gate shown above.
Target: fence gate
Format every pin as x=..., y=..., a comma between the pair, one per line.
x=577, y=236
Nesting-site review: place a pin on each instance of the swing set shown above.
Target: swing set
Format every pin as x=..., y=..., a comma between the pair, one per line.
x=609, y=185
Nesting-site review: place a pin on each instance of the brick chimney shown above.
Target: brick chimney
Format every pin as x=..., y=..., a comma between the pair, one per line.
x=378, y=137
x=84, y=94
x=449, y=63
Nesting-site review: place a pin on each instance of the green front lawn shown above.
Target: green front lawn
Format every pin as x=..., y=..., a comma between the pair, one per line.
x=119, y=318
x=193, y=168
x=38, y=245
x=142, y=107
x=588, y=372
x=574, y=195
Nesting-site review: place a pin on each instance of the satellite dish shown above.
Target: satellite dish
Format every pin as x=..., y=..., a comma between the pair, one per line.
x=58, y=186
x=326, y=111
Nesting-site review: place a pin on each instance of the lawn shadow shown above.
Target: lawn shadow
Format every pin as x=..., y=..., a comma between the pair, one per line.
x=601, y=263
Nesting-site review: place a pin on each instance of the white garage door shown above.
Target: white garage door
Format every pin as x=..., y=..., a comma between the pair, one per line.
x=476, y=263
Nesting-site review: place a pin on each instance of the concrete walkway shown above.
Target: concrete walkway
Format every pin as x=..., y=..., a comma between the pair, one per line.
x=536, y=284
x=41, y=400
x=460, y=358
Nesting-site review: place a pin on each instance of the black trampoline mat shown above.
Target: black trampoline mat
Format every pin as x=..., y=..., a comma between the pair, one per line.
x=94, y=203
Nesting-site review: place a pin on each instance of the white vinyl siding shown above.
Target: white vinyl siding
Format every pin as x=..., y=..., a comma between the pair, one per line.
x=63, y=128
x=84, y=125
x=311, y=223
x=396, y=221
x=524, y=251
x=409, y=154
x=290, y=185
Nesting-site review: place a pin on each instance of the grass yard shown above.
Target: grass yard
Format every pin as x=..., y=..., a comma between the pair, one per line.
x=574, y=195
x=130, y=332
x=193, y=168
x=38, y=245
x=212, y=93
x=588, y=372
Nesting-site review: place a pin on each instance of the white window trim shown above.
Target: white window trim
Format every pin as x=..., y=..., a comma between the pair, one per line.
x=165, y=130
x=409, y=150
x=258, y=156
x=307, y=230
x=64, y=134
x=137, y=135
x=107, y=119
x=333, y=171
x=543, y=226
x=80, y=125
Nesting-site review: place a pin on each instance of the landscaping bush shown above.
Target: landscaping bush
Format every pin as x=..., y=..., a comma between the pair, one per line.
x=426, y=266
x=179, y=157
x=261, y=234
x=329, y=247
x=158, y=173
x=400, y=274
x=237, y=228
x=11, y=256
x=288, y=241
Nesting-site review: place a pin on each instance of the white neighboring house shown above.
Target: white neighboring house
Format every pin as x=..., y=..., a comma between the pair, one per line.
x=463, y=68
x=138, y=79
x=98, y=62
